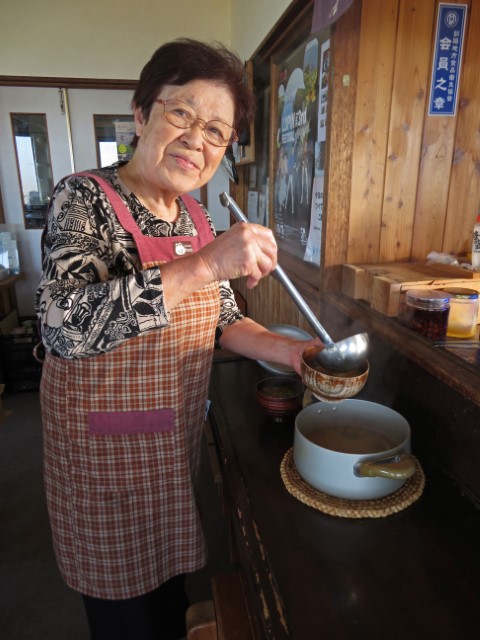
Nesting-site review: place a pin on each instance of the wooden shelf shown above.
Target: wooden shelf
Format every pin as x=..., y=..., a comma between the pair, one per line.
x=456, y=372
x=8, y=302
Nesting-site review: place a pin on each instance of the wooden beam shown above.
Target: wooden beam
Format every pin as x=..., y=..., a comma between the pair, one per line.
x=67, y=83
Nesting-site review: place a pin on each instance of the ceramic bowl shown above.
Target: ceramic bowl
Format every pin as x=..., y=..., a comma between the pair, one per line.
x=331, y=386
x=280, y=396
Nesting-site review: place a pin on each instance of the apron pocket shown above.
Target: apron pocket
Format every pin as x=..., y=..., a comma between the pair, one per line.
x=131, y=450
x=123, y=423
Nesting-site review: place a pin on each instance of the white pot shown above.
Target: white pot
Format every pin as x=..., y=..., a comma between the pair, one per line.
x=353, y=449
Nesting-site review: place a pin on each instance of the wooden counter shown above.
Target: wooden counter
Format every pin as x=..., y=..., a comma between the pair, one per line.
x=311, y=576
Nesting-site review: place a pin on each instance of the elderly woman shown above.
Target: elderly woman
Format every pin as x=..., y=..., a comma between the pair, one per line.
x=133, y=294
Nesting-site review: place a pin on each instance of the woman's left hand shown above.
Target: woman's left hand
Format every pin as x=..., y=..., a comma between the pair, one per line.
x=252, y=340
x=298, y=348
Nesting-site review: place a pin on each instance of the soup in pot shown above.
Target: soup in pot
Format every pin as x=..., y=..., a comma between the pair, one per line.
x=351, y=439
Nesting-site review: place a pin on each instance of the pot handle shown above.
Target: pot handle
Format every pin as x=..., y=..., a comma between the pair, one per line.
x=398, y=467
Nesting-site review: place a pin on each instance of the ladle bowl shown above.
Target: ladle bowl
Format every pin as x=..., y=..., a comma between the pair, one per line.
x=344, y=355
x=328, y=385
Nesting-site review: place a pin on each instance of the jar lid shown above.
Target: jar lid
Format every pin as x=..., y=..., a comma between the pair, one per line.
x=428, y=298
x=460, y=292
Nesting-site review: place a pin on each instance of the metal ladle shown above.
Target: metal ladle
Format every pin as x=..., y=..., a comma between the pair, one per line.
x=341, y=356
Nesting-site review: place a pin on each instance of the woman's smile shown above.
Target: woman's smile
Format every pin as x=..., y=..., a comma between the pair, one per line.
x=184, y=162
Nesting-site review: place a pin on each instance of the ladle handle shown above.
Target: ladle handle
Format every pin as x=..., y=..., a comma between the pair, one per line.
x=280, y=274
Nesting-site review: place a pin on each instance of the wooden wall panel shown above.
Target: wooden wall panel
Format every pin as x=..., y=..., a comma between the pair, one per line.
x=345, y=42
x=464, y=193
x=410, y=82
x=374, y=94
x=268, y=303
x=434, y=175
x=428, y=195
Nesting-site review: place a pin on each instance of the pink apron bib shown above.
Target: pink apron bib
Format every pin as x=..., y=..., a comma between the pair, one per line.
x=122, y=434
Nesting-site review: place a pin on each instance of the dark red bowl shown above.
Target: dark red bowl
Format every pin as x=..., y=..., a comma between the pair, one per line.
x=280, y=396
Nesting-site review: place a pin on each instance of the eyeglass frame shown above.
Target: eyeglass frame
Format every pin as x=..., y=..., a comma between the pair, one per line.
x=198, y=120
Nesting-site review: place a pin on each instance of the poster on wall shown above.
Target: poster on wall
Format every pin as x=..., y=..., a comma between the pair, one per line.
x=124, y=133
x=314, y=242
x=297, y=149
x=314, y=245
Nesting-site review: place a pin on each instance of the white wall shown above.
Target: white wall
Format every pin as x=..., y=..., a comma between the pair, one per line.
x=100, y=38
x=251, y=21
x=115, y=38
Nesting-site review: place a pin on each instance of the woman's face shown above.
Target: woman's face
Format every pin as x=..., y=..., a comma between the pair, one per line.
x=175, y=161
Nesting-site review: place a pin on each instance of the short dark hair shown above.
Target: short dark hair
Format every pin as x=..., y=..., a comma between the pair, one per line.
x=183, y=60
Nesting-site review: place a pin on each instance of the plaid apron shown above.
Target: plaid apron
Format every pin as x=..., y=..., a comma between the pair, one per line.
x=122, y=434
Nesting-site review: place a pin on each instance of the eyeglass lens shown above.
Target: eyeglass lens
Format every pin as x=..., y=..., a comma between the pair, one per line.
x=181, y=115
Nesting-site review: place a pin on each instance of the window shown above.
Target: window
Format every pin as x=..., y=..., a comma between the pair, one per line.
x=34, y=166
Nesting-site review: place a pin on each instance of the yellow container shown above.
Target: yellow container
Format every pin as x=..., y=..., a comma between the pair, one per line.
x=462, y=320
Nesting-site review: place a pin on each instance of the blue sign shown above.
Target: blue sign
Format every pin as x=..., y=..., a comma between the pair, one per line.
x=447, y=60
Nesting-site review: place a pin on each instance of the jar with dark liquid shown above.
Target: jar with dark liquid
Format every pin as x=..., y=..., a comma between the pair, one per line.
x=427, y=312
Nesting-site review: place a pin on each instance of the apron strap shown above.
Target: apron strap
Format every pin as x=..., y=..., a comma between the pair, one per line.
x=119, y=206
x=126, y=219
x=147, y=246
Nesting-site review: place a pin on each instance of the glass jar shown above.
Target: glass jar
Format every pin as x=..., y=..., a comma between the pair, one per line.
x=462, y=320
x=427, y=312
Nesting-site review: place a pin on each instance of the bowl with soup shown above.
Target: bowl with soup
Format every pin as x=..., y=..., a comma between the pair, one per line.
x=280, y=397
x=331, y=386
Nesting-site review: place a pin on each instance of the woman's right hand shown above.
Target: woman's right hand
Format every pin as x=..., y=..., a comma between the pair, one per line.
x=246, y=249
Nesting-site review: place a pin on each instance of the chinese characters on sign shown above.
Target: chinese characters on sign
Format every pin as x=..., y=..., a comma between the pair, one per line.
x=447, y=59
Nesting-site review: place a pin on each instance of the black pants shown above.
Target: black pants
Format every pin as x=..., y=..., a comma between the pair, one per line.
x=157, y=615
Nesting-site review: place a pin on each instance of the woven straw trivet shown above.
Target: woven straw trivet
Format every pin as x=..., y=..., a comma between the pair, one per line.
x=342, y=508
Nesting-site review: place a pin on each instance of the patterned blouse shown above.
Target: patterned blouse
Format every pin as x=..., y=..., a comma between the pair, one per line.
x=92, y=295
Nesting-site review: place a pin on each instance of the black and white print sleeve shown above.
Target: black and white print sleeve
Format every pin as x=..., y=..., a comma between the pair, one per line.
x=92, y=296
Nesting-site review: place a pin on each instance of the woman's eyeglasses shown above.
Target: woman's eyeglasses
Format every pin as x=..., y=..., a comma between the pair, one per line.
x=182, y=115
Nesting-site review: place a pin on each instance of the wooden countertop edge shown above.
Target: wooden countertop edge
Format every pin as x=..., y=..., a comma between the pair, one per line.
x=267, y=604
x=9, y=280
x=458, y=374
